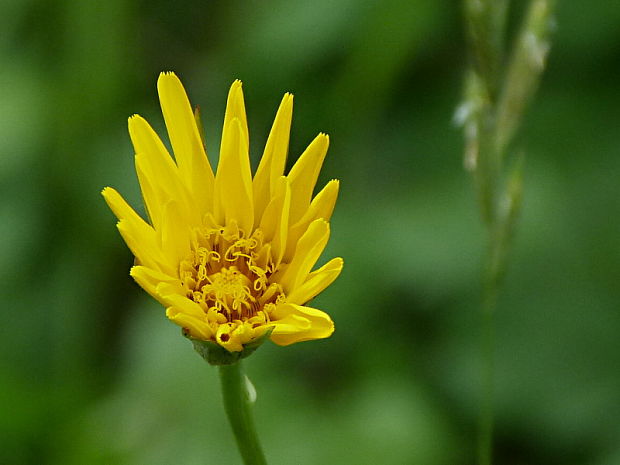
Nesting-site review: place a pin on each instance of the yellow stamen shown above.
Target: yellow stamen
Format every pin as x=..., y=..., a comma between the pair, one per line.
x=236, y=288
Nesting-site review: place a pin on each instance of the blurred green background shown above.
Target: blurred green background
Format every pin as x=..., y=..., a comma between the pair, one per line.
x=92, y=372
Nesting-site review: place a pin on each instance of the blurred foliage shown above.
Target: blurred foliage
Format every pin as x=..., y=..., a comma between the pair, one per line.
x=91, y=370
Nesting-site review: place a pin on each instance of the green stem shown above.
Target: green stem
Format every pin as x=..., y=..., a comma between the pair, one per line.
x=487, y=346
x=238, y=406
x=496, y=94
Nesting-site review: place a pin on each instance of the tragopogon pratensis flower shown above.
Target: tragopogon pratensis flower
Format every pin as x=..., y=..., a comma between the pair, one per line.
x=228, y=255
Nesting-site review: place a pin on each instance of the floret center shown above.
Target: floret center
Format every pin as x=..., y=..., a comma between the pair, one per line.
x=228, y=275
x=229, y=290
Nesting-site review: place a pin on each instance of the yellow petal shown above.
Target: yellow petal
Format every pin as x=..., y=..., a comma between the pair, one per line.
x=317, y=282
x=271, y=165
x=123, y=211
x=175, y=235
x=274, y=223
x=228, y=339
x=308, y=251
x=199, y=125
x=147, y=142
x=186, y=142
x=244, y=332
x=147, y=252
x=149, y=279
x=156, y=165
x=198, y=329
x=233, y=181
x=139, y=232
x=235, y=108
x=295, y=323
x=152, y=197
x=322, y=206
x=304, y=174
x=139, y=236
x=181, y=303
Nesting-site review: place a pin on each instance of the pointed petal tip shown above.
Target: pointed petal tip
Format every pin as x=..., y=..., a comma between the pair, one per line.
x=236, y=85
x=137, y=126
x=168, y=82
x=165, y=75
x=319, y=223
x=286, y=106
x=322, y=222
x=112, y=198
x=321, y=138
x=235, y=104
x=333, y=187
x=235, y=93
x=133, y=120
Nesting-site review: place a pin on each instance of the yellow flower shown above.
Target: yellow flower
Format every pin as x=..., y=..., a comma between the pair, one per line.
x=228, y=255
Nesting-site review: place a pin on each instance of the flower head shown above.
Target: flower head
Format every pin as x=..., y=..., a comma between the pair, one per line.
x=229, y=255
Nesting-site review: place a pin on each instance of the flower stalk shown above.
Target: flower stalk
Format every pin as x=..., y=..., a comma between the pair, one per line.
x=238, y=400
x=498, y=87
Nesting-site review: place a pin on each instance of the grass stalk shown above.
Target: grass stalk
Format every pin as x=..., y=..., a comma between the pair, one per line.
x=498, y=87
